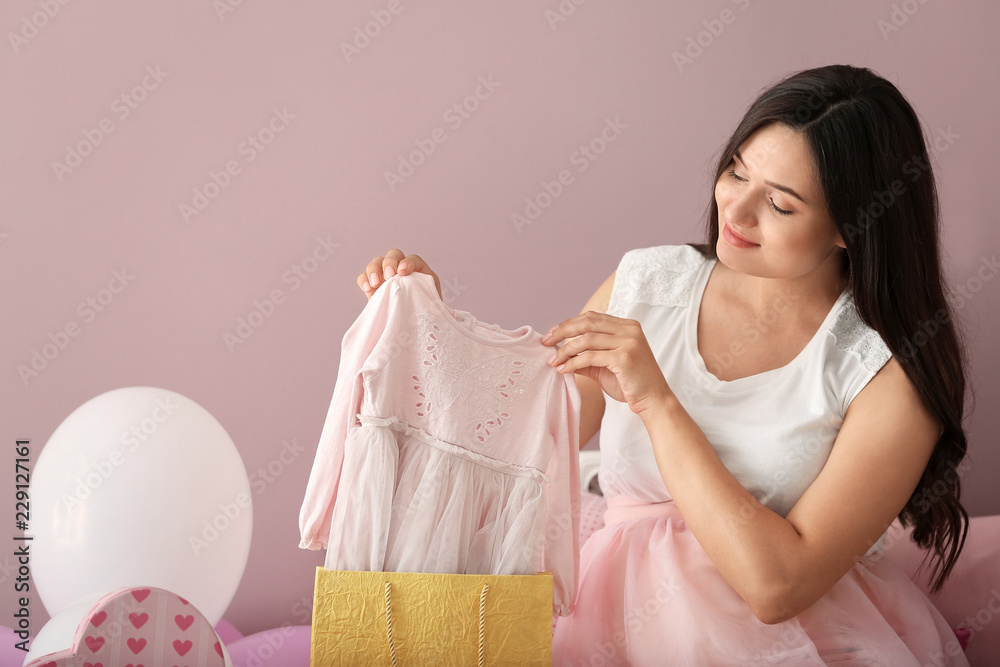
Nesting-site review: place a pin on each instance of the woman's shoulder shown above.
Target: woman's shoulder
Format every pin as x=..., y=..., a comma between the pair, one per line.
x=660, y=275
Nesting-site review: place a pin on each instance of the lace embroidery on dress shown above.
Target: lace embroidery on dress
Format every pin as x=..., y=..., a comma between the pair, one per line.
x=659, y=276
x=488, y=386
x=856, y=337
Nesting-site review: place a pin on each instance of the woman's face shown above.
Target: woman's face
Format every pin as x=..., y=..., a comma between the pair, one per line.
x=770, y=195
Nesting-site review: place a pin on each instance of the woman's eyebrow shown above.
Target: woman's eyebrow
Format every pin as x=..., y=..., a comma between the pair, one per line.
x=777, y=186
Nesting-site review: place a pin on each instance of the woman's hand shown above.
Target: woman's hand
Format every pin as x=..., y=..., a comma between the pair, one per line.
x=381, y=268
x=614, y=352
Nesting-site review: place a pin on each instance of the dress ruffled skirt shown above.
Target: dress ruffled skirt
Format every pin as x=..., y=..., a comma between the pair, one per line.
x=409, y=502
x=649, y=595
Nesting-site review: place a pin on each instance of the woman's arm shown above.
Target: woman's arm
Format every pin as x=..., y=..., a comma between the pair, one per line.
x=781, y=566
x=592, y=402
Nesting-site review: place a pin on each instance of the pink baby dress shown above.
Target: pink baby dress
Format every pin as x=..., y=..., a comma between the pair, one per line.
x=450, y=446
x=648, y=592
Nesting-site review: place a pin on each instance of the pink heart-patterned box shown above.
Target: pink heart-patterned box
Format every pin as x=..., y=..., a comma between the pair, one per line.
x=140, y=627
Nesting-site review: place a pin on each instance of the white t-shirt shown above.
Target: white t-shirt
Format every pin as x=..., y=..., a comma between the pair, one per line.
x=774, y=430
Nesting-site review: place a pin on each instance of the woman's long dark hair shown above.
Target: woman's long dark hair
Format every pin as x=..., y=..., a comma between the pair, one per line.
x=875, y=173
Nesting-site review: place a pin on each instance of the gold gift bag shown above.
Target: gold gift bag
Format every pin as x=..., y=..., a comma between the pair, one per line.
x=414, y=618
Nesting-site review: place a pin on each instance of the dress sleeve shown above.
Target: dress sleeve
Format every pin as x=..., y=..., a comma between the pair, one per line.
x=562, y=519
x=363, y=352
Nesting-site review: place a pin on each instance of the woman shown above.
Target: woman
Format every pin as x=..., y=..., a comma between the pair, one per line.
x=796, y=383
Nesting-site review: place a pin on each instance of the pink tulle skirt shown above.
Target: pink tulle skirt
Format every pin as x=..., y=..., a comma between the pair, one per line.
x=649, y=595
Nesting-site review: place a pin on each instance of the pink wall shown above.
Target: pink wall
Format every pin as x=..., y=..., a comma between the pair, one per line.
x=337, y=124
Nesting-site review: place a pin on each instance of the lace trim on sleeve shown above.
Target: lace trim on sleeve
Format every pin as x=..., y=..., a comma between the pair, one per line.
x=659, y=276
x=859, y=339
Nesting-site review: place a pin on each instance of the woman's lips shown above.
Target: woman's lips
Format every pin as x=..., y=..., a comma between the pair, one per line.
x=735, y=239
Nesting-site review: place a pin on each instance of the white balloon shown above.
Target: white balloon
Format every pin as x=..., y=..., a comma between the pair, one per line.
x=140, y=486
